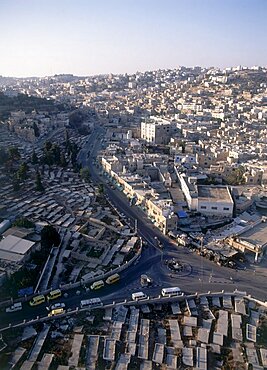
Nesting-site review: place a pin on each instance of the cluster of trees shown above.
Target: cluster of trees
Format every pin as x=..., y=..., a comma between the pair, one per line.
x=8, y=157
x=52, y=155
x=85, y=174
x=236, y=177
x=23, y=222
x=49, y=237
x=25, y=103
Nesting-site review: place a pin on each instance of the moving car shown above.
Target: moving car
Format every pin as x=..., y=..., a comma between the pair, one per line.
x=55, y=306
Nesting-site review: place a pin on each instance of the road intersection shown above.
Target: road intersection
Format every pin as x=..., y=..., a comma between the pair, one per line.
x=204, y=275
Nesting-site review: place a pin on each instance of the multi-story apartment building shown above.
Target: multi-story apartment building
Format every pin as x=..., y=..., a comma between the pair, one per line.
x=209, y=200
x=157, y=130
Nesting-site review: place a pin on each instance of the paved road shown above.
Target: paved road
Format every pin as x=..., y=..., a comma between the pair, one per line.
x=204, y=275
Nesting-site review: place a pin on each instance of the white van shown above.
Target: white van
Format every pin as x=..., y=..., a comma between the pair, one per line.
x=14, y=307
x=171, y=292
x=138, y=296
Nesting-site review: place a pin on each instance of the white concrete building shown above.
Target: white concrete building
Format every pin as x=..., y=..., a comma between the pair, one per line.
x=157, y=130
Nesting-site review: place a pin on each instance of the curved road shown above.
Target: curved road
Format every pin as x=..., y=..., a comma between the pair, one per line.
x=203, y=276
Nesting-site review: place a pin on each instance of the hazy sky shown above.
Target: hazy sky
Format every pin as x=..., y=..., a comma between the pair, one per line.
x=85, y=37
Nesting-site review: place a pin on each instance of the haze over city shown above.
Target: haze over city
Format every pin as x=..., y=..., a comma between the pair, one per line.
x=83, y=37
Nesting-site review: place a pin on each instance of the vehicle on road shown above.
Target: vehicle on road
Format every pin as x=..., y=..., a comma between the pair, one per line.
x=113, y=279
x=171, y=292
x=37, y=300
x=58, y=311
x=93, y=302
x=138, y=296
x=55, y=306
x=97, y=285
x=14, y=307
x=146, y=281
x=54, y=294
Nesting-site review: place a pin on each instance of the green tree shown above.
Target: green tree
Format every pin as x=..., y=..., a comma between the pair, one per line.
x=49, y=237
x=38, y=182
x=63, y=161
x=34, y=158
x=3, y=156
x=48, y=146
x=101, y=188
x=66, y=135
x=22, y=171
x=15, y=183
x=36, y=130
x=14, y=153
x=85, y=174
x=56, y=154
x=23, y=222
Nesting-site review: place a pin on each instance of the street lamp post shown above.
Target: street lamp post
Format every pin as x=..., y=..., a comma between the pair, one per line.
x=135, y=225
x=202, y=268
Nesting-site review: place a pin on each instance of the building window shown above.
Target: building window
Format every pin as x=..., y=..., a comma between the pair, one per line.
x=214, y=208
x=226, y=208
x=203, y=207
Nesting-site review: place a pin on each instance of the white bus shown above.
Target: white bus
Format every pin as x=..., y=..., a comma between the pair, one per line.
x=138, y=296
x=91, y=303
x=170, y=292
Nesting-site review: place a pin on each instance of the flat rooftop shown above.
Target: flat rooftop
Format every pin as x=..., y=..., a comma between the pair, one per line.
x=214, y=193
x=13, y=244
x=256, y=235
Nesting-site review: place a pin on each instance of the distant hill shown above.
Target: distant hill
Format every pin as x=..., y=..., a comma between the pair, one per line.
x=27, y=104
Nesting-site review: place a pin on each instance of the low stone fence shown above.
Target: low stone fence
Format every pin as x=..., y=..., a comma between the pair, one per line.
x=81, y=283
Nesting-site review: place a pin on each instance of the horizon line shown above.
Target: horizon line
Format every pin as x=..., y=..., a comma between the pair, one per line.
x=138, y=71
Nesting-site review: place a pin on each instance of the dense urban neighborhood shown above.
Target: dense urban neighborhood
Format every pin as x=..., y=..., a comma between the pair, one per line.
x=133, y=220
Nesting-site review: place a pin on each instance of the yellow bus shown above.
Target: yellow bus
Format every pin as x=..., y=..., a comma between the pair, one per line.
x=37, y=300
x=54, y=294
x=97, y=285
x=113, y=279
x=58, y=311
